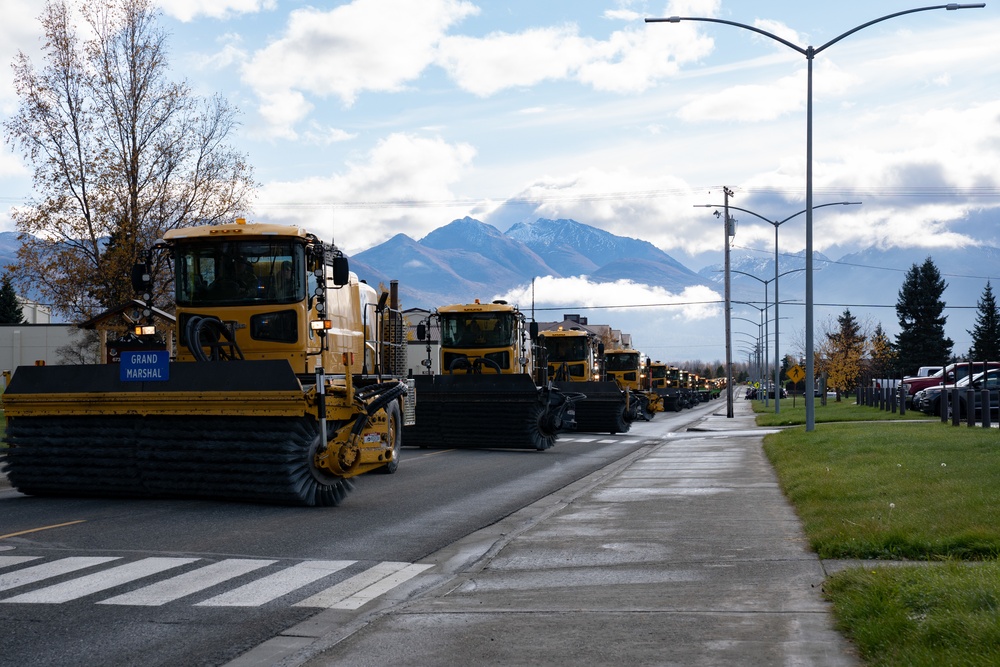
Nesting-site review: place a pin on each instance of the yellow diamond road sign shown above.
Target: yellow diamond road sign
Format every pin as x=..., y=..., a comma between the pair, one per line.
x=796, y=374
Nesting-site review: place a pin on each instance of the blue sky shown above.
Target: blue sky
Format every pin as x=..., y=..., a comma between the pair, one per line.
x=369, y=118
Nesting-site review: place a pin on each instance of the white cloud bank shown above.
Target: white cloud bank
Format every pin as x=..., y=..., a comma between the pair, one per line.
x=693, y=303
x=402, y=167
x=189, y=10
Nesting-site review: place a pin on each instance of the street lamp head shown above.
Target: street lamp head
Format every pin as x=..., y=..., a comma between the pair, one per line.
x=669, y=19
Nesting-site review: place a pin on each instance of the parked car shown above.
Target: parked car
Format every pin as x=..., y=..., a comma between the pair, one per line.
x=927, y=371
x=929, y=400
x=948, y=375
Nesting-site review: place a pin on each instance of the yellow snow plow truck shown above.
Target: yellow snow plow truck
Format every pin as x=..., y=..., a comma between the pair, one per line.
x=484, y=395
x=571, y=359
x=625, y=368
x=285, y=385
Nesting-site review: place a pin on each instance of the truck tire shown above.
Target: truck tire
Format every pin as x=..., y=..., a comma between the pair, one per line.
x=395, y=428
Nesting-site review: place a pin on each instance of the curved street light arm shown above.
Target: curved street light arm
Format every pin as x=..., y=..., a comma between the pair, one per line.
x=750, y=275
x=950, y=7
x=777, y=223
x=809, y=51
x=678, y=19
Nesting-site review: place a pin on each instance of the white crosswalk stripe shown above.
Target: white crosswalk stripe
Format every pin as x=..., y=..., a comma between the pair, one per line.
x=351, y=593
x=361, y=588
x=100, y=581
x=30, y=575
x=8, y=561
x=188, y=583
x=275, y=585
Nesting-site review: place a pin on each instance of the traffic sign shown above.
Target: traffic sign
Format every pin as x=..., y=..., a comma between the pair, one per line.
x=796, y=374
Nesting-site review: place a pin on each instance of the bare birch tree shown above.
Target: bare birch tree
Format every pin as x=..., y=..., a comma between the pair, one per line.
x=120, y=154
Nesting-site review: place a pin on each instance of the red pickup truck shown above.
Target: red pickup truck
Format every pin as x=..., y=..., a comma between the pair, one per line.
x=950, y=374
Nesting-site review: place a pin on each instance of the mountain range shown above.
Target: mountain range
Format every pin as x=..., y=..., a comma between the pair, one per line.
x=468, y=259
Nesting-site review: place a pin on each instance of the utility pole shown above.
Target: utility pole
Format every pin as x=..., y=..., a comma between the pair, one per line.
x=729, y=231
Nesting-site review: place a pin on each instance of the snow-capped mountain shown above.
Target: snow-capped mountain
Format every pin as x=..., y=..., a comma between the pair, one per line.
x=468, y=259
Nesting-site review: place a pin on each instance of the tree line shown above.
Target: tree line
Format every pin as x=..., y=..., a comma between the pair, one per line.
x=847, y=352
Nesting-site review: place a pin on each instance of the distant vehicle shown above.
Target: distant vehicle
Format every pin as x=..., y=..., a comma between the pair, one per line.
x=927, y=371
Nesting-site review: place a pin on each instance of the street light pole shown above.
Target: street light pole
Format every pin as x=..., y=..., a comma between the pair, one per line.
x=810, y=53
x=766, y=333
x=776, y=224
x=727, y=223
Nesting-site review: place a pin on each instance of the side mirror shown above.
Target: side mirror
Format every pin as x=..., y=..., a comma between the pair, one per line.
x=421, y=332
x=533, y=330
x=600, y=349
x=341, y=271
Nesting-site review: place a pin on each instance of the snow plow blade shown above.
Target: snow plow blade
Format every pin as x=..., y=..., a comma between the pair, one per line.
x=487, y=411
x=225, y=430
x=604, y=410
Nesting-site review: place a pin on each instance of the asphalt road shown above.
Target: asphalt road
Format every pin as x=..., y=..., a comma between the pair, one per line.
x=165, y=582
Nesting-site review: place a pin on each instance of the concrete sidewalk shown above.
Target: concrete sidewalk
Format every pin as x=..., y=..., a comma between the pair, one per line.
x=685, y=553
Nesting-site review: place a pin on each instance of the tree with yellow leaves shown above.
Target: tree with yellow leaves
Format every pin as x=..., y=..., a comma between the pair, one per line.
x=841, y=354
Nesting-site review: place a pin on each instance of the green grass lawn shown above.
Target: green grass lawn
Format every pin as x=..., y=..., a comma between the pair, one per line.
x=921, y=491
x=793, y=411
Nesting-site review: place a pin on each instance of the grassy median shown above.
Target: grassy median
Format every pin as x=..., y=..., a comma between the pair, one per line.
x=915, y=491
x=793, y=411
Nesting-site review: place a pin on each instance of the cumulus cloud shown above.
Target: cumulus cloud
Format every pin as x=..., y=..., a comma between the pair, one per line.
x=385, y=45
x=628, y=61
x=486, y=65
x=356, y=206
x=693, y=303
x=189, y=10
x=366, y=45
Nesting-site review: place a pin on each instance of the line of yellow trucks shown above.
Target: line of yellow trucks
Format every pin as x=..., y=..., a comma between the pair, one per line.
x=289, y=379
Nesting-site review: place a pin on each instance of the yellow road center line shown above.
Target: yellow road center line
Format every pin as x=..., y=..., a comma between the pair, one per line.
x=35, y=530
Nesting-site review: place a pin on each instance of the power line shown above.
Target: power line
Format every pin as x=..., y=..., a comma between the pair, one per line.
x=976, y=192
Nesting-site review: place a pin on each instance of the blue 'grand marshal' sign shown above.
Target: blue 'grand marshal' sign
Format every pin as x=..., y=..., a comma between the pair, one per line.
x=145, y=366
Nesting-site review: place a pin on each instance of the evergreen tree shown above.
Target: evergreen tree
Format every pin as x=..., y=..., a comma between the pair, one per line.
x=986, y=333
x=921, y=340
x=10, y=307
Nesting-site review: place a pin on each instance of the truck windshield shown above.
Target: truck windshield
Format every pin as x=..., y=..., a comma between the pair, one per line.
x=621, y=362
x=571, y=348
x=239, y=272
x=471, y=330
